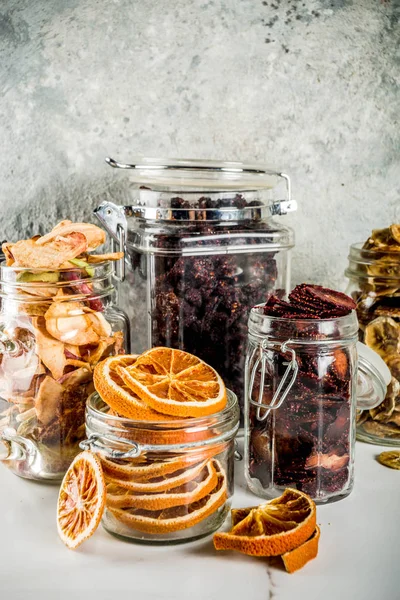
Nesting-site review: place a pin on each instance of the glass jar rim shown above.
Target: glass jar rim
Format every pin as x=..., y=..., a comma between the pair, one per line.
x=201, y=173
x=335, y=330
x=218, y=418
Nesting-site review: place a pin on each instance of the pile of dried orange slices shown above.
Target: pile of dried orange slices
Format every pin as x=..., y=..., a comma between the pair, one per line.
x=150, y=495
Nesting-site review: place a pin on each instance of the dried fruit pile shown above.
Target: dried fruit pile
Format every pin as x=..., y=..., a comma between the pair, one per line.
x=285, y=527
x=306, y=442
x=200, y=304
x=378, y=310
x=53, y=331
x=162, y=492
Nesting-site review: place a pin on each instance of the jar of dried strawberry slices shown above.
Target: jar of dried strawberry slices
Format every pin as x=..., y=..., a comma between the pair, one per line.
x=55, y=326
x=201, y=248
x=305, y=377
x=168, y=481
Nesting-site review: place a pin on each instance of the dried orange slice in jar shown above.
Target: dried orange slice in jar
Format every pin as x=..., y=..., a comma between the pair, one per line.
x=81, y=500
x=187, y=493
x=271, y=529
x=175, y=518
x=176, y=383
x=117, y=394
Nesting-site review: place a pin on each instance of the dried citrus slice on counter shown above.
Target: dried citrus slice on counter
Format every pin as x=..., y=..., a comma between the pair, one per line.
x=143, y=472
x=81, y=500
x=271, y=529
x=117, y=395
x=174, y=382
x=160, y=483
x=175, y=518
x=192, y=491
x=390, y=458
x=297, y=558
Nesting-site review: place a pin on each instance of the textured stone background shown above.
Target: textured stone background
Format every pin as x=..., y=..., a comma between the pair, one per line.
x=311, y=87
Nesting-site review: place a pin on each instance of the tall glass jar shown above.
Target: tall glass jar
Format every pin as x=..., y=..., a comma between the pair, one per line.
x=374, y=284
x=301, y=394
x=54, y=328
x=201, y=249
x=167, y=482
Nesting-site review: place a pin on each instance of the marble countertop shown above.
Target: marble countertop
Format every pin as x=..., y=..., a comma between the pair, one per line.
x=358, y=555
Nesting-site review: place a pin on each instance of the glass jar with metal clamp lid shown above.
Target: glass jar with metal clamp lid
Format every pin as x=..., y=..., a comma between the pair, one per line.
x=168, y=481
x=305, y=379
x=201, y=248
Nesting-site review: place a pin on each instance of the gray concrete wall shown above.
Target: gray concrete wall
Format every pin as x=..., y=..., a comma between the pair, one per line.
x=311, y=87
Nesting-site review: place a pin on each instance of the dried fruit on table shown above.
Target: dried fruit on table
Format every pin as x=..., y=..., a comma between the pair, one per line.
x=271, y=529
x=176, y=383
x=297, y=558
x=383, y=336
x=391, y=459
x=81, y=500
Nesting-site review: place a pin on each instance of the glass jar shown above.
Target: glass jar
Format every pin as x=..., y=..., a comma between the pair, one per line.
x=201, y=249
x=54, y=328
x=301, y=394
x=374, y=284
x=167, y=482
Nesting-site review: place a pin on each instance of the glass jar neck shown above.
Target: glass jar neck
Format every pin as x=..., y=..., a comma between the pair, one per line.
x=302, y=331
x=373, y=265
x=84, y=283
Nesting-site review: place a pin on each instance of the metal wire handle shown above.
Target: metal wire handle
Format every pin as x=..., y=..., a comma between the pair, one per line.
x=94, y=442
x=280, y=393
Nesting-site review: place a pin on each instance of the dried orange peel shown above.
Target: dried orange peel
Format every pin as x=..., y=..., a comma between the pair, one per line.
x=297, y=558
x=81, y=500
x=276, y=528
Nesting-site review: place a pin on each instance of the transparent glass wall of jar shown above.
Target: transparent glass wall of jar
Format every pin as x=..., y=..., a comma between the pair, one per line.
x=54, y=328
x=167, y=482
x=202, y=247
x=301, y=392
x=374, y=284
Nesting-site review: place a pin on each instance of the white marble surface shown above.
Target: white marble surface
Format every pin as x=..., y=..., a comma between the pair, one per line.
x=358, y=557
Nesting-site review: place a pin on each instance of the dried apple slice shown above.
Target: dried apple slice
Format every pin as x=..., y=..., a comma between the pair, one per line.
x=69, y=322
x=94, y=235
x=47, y=400
x=50, y=350
x=29, y=254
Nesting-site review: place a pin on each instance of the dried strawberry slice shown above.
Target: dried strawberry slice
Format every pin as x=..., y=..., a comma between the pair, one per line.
x=327, y=296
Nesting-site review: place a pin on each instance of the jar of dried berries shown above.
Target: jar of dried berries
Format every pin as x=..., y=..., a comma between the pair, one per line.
x=201, y=249
x=55, y=325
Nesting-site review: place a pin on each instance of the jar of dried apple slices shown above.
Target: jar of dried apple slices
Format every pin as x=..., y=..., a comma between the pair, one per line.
x=374, y=284
x=167, y=481
x=201, y=247
x=55, y=326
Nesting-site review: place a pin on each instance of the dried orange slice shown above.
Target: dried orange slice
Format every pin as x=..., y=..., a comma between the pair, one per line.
x=160, y=483
x=136, y=471
x=188, y=493
x=117, y=395
x=271, y=529
x=174, y=382
x=81, y=500
x=175, y=518
x=297, y=558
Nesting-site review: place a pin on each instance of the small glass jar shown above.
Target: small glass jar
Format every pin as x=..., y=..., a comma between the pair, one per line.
x=301, y=384
x=54, y=328
x=167, y=482
x=201, y=247
x=375, y=287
